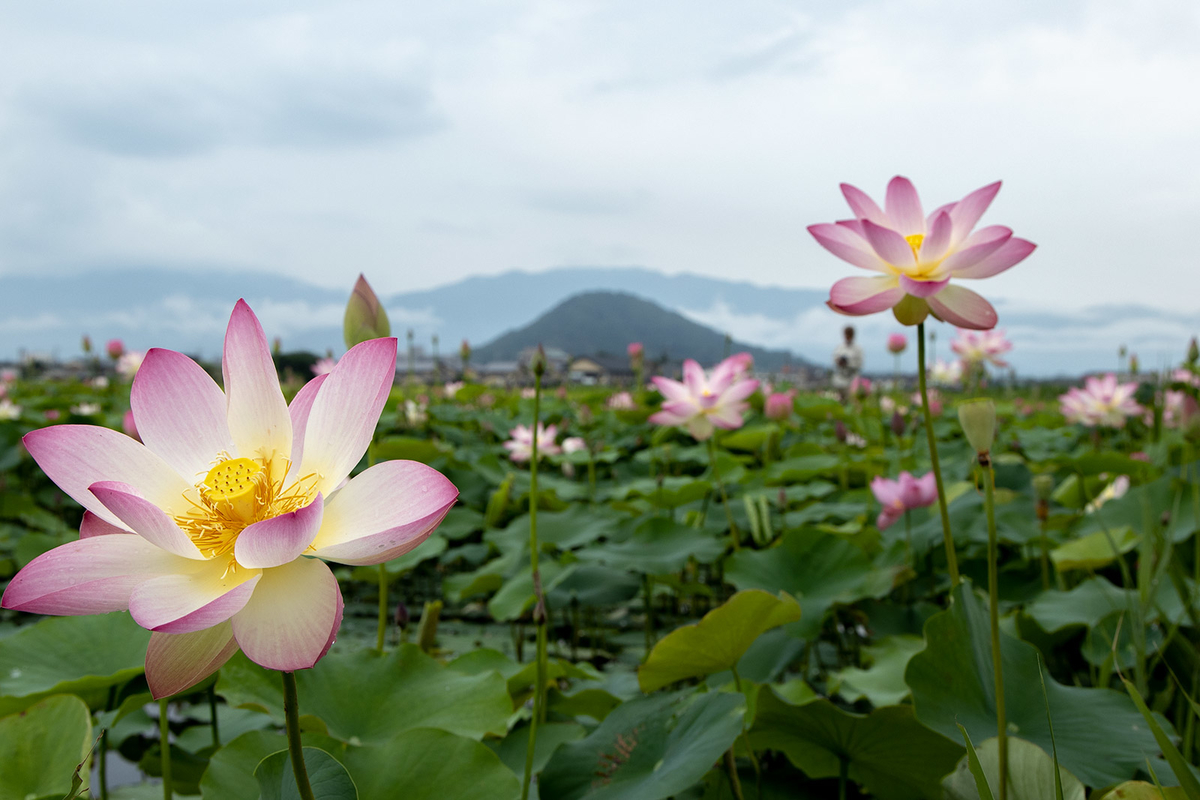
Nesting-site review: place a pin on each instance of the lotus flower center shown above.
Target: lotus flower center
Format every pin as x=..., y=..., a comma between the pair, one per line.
x=238, y=492
x=234, y=484
x=914, y=241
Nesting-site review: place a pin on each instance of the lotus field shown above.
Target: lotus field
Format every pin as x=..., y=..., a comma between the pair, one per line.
x=231, y=581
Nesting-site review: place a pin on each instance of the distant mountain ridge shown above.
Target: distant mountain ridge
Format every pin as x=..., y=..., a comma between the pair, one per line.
x=186, y=308
x=604, y=323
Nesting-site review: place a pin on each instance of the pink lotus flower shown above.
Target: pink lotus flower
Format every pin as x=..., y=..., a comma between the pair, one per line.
x=897, y=343
x=129, y=363
x=705, y=401
x=778, y=406
x=214, y=533
x=115, y=348
x=946, y=373
x=935, y=401
x=129, y=425
x=520, y=442
x=1101, y=401
x=635, y=350
x=902, y=494
x=324, y=366
x=742, y=363
x=976, y=347
x=573, y=444
x=8, y=375
x=860, y=386
x=622, y=401
x=919, y=255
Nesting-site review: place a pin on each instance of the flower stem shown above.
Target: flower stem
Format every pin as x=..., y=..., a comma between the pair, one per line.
x=989, y=502
x=212, y=710
x=381, y=628
x=731, y=770
x=291, y=712
x=164, y=746
x=951, y=558
x=734, y=535
x=539, y=607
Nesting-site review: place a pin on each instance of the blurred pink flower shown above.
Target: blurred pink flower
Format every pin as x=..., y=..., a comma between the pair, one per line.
x=9, y=410
x=115, y=348
x=52, y=414
x=902, y=494
x=574, y=444
x=635, y=350
x=741, y=362
x=976, y=347
x=778, y=406
x=324, y=366
x=1102, y=401
x=520, y=442
x=946, y=373
x=8, y=375
x=705, y=401
x=919, y=255
x=451, y=389
x=129, y=363
x=621, y=401
x=860, y=386
x=897, y=343
x=935, y=401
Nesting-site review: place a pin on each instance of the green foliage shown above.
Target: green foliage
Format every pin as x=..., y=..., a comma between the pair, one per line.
x=41, y=746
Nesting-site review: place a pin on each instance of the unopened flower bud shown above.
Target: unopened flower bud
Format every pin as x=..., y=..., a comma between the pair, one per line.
x=1043, y=486
x=402, y=616
x=87, y=343
x=365, y=316
x=839, y=430
x=978, y=420
x=898, y=425
x=1193, y=353
x=115, y=348
x=537, y=364
x=1133, y=364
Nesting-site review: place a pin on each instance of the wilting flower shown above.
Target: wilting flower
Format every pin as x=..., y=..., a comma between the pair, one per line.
x=704, y=401
x=9, y=410
x=779, y=405
x=129, y=363
x=897, y=343
x=1101, y=401
x=919, y=255
x=573, y=444
x=114, y=348
x=324, y=366
x=902, y=494
x=946, y=373
x=214, y=533
x=621, y=401
x=520, y=442
x=976, y=347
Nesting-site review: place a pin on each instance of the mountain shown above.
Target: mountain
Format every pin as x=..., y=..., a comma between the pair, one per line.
x=186, y=308
x=604, y=323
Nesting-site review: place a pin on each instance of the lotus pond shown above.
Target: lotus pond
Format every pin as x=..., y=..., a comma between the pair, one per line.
x=729, y=618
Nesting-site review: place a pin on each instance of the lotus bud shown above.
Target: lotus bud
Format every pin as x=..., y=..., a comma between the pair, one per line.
x=839, y=430
x=1133, y=364
x=537, y=364
x=365, y=316
x=86, y=344
x=898, y=425
x=978, y=420
x=465, y=351
x=1193, y=353
x=402, y=616
x=897, y=343
x=276, y=346
x=115, y=348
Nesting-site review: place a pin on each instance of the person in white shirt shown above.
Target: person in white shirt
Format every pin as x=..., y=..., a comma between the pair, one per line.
x=847, y=362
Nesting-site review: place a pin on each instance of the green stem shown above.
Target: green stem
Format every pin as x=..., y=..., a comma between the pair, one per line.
x=648, y=602
x=737, y=682
x=291, y=712
x=843, y=777
x=731, y=770
x=212, y=710
x=951, y=558
x=539, y=609
x=164, y=746
x=734, y=535
x=989, y=502
x=381, y=627
x=102, y=756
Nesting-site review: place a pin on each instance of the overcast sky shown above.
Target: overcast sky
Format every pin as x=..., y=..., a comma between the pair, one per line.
x=423, y=142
